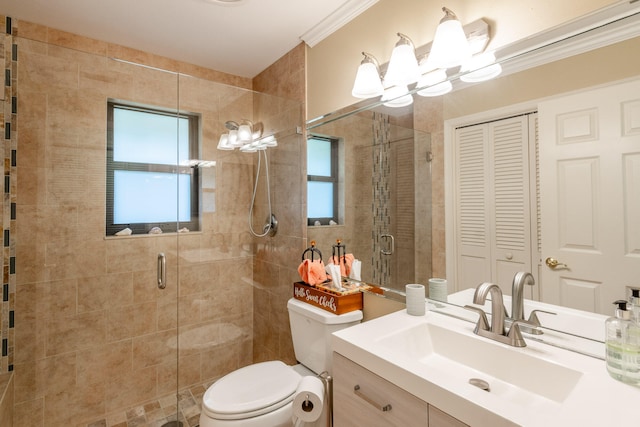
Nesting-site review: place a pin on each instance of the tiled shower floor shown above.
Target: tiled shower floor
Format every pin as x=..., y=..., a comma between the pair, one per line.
x=158, y=412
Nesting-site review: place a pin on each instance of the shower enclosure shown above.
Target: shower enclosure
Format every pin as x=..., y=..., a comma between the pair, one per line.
x=97, y=340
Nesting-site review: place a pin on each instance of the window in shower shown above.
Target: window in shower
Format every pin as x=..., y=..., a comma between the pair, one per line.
x=151, y=180
x=322, y=179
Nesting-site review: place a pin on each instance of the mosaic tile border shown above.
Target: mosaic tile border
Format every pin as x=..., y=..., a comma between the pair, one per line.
x=8, y=120
x=381, y=196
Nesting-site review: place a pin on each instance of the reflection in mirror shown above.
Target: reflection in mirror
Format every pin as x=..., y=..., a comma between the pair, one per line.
x=565, y=59
x=385, y=193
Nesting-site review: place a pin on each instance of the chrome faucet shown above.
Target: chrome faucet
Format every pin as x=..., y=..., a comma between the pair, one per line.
x=497, y=305
x=497, y=330
x=530, y=326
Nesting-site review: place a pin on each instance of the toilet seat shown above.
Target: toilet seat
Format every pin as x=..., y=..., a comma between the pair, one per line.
x=251, y=391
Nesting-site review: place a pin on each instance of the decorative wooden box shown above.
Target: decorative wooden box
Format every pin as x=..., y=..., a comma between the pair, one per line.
x=328, y=299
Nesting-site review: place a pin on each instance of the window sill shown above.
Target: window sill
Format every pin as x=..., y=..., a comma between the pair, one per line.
x=138, y=236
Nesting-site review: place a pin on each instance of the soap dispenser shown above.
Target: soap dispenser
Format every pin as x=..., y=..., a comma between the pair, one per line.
x=623, y=346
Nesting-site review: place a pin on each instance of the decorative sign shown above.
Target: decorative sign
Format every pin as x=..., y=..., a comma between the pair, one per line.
x=330, y=302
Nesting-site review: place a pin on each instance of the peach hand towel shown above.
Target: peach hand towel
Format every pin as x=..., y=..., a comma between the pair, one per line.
x=312, y=272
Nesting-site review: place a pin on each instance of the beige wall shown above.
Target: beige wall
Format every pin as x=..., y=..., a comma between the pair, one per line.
x=600, y=66
x=332, y=63
x=94, y=335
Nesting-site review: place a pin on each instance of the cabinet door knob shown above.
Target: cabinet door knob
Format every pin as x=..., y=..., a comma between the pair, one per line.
x=370, y=401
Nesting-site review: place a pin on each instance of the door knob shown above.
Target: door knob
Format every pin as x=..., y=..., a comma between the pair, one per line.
x=553, y=263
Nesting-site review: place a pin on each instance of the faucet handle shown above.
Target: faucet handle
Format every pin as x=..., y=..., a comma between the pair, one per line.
x=515, y=336
x=483, y=323
x=533, y=317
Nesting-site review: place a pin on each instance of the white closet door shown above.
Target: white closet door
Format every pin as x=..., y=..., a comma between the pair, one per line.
x=590, y=186
x=473, y=233
x=511, y=246
x=493, y=228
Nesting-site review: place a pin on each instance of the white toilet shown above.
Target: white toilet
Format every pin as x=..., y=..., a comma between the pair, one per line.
x=261, y=395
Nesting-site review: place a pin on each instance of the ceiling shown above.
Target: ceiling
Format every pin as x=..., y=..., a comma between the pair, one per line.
x=241, y=38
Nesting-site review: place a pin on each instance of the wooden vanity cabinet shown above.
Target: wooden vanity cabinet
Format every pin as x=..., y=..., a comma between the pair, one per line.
x=362, y=398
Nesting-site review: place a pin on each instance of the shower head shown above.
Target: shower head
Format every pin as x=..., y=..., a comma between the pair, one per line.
x=231, y=125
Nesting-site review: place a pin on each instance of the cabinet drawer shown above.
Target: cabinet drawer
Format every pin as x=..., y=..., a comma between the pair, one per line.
x=363, y=407
x=437, y=418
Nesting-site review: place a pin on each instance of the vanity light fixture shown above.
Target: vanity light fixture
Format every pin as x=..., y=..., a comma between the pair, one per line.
x=450, y=47
x=403, y=66
x=247, y=137
x=367, y=83
x=453, y=46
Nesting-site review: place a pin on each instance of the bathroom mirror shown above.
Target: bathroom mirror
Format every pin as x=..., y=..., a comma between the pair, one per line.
x=385, y=196
x=573, y=51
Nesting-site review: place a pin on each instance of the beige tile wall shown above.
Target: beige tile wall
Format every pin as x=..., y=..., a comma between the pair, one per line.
x=94, y=334
x=428, y=117
x=277, y=258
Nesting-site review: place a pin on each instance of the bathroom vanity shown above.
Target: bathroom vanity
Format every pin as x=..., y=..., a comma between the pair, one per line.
x=426, y=371
x=362, y=398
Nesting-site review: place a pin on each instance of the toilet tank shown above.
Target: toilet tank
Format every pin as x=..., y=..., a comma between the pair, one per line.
x=311, y=330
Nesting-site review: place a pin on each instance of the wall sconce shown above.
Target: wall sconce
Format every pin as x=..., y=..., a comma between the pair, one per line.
x=403, y=66
x=450, y=47
x=247, y=137
x=367, y=83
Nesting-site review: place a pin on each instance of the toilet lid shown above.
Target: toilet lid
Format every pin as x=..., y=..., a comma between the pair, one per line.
x=250, y=391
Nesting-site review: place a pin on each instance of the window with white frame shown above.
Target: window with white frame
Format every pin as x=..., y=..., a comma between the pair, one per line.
x=150, y=181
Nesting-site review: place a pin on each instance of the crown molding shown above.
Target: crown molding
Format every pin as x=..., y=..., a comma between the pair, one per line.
x=345, y=13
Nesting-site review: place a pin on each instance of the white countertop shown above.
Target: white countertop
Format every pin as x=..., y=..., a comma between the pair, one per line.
x=595, y=400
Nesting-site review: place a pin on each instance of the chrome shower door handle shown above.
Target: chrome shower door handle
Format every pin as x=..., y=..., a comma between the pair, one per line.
x=162, y=271
x=392, y=246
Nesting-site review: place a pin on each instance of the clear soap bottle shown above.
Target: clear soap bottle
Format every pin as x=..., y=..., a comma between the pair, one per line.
x=623, y=346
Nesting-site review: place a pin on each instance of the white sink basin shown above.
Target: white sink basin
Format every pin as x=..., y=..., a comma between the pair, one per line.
x=510, y=373
x=434, y=356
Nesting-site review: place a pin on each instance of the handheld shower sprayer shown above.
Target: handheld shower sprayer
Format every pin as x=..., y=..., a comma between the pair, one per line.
x=247, y=137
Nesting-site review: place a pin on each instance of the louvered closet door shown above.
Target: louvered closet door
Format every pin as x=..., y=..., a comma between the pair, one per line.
x=511, y=245
x=473, y=234
x=493, y=204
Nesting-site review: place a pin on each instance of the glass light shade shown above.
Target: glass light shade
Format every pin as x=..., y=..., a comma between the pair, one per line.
x=397, y=96
x=367, y=83
x=269, y=141
x=481, y=67
x=403, y=66
x=233, y=138
x=245, y=133
x=437, y=89
x=450, y=47
x=223, y=144
x=248, y=148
